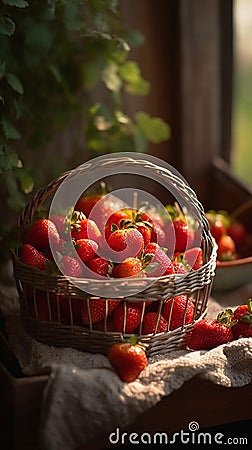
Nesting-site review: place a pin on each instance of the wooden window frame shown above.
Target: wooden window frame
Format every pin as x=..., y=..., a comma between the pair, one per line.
x=188, y=59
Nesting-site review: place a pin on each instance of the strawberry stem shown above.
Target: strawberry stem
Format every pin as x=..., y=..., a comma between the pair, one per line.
x=179, y=210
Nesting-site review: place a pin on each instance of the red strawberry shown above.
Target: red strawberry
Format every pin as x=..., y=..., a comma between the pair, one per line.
x=84, y=228
x=140, y=304
x=40, y=232
x=99, y=206
x=217, y=224
x=114, y=221
x=179, y=235
x=226, y=248
x=70, y=267
x=237, y=231
x=177, y=309
x=33, y=257
x=243, y=315
x=194, y=257
x=135, y=220
x=158, y=235
x=97, y=309
x=125, y=243
x=209, y=333
x=100, y=326
x=132, y=316
x=131, y=267
x=145, y=231
x=156, y=261
x=99, y=267
x=150, y=321
x=59, y=222
x=179, y=267
x=38, y=306
x=128, y=360
x=86, y=249
x=86, y=203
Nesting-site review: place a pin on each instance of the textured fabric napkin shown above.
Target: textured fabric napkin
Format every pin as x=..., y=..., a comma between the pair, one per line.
x=84, y=397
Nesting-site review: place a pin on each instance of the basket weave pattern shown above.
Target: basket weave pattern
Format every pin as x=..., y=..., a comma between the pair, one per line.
x=59, y=323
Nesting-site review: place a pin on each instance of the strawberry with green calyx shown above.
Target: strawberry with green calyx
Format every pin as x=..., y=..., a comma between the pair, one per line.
x=114, y=222
x=99, y=267
x=180, y=268
x=192, y=258
x=156, y=262
x=130, y=267
x=31, y=256
x=96, y=310
x=86, y=249
x=128, y=359
x=243, y=317
x=41, y=234
x=177, y=311
x=143, y=225
x=84, y=228
x=210, y=333
x=124, y=243
x=180, y=234
x=100, y=205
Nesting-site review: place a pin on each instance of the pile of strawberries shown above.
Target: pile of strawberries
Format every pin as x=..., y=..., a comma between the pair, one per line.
x=129, y=358
x=112, y=242
x=231, y=235
x=228, y=325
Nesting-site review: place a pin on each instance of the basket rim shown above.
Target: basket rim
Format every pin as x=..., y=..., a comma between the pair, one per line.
x=183, y=188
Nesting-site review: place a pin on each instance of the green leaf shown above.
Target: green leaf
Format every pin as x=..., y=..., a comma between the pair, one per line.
x=13, y=158
x=17, y=3
x=15, y=83
x=130, y=71
x=154, y=128
x=7, y=26
x=72, y=17
x=140, y=87
x=9, y=130
x=26, y=181
x=8, y=159
x=111, y=78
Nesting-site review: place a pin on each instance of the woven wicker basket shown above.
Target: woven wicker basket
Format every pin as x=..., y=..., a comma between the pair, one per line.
x=58, y=322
